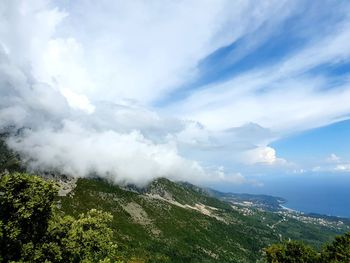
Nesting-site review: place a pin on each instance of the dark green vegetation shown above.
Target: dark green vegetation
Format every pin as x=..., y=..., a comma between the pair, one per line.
x=291, y=252
x=170, y=222
x=32, y=231
x=297, y=252
x=163, y=222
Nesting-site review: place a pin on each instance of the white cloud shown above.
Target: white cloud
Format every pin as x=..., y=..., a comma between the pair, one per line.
x=82, y=78
x=262, y=155
x=141, y=50
x=284, y=96
x=77, y=101
x=333, y=163
x=174, y=37
x=345, y=167
x=81, y=152
x=333, y=158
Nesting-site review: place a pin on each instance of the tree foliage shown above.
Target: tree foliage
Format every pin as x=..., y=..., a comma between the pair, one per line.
x=31, y=230
x=297, y=252
x=290, y=252
x=338, y=250
x=26, y=206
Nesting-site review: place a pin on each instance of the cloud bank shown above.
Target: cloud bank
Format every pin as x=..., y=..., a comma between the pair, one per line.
x=82, y=80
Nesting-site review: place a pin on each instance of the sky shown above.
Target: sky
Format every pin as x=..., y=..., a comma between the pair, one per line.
x=212, y=92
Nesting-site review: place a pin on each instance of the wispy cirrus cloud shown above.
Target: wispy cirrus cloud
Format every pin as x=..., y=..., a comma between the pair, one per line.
x=286, y=96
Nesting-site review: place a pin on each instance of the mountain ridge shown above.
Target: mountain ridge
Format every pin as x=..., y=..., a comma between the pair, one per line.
x=168, y=221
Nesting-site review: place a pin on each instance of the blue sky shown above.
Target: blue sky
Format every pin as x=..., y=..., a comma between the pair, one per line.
x=215, y=92
x=316, y=143
x=269, y=45
x=309, y=25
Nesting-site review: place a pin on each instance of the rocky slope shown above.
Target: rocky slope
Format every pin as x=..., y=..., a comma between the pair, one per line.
x=172, y=222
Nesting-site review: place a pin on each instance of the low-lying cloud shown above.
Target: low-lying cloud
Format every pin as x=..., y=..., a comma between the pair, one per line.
x=123, y=158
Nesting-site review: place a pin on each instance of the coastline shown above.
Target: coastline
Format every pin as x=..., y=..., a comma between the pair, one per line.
x=290, y=209
x=314, y=214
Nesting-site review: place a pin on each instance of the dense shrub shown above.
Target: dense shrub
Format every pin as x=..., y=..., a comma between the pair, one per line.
x=31, y=230
x=297, y=252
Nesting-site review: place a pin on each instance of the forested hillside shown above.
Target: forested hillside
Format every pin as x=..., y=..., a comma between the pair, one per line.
x=163, y=222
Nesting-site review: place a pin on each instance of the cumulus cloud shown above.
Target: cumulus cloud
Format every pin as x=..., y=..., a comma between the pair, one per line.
x=262, y=155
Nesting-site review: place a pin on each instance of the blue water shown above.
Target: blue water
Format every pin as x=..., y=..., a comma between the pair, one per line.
x=318, y=194
x=327, y=194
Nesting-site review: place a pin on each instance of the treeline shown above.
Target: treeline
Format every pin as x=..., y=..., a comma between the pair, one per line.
x=297, y=252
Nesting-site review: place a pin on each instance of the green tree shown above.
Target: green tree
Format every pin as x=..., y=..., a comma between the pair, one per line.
x=338, y=250
x=86, y=239
x=31, y=230
x=26, y=205
x=290, y=252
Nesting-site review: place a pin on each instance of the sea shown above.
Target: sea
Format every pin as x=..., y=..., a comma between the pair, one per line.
x=321, y=193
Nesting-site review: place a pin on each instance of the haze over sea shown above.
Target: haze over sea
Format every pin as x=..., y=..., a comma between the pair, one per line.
x=322, y=193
